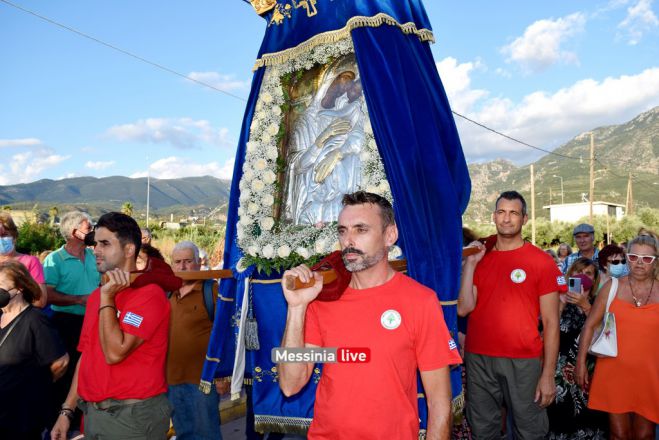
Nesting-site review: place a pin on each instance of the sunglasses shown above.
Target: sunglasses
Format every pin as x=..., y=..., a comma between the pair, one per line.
x=616, y=262
x=645, y=259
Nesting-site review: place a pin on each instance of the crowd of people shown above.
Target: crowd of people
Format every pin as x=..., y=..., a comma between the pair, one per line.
x=128, y=353
x=520, y=310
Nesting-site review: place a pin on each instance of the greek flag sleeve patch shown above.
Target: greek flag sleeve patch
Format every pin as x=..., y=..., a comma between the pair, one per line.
x=133, y=319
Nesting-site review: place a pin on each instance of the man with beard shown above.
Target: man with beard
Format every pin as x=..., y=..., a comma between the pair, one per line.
x=120, y=377
x=398, y=319
x=504, y=291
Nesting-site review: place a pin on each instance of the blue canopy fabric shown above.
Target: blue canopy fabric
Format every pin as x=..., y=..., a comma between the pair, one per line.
x=422, y=155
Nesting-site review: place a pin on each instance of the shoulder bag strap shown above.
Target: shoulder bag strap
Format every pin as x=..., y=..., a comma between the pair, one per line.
x=13, y=324
x=612, y=292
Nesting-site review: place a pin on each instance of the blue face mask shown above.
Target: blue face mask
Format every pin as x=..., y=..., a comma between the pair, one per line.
x=618, y=270
x=6, y=245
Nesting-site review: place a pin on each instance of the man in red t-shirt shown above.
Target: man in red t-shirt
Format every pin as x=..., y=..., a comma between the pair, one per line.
x=120, y=377
x=397, y=319
x=504, y=292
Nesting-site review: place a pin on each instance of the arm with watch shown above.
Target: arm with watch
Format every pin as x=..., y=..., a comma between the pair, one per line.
x=63, y=422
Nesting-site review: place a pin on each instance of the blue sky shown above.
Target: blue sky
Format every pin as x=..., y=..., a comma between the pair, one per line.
x=540, y=71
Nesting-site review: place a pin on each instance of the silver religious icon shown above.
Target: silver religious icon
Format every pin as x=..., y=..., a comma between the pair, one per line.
x=325, y=137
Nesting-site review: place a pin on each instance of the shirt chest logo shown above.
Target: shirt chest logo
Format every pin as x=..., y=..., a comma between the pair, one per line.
x=518, y=276
x=391, y=319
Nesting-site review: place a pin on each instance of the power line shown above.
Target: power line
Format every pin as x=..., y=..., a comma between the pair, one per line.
x=118, y=49
x=636, y=179
x=240, y=98
x=512, y=138
x=202, y=83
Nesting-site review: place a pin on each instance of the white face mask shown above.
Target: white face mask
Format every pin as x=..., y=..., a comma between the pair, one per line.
x=6, y=245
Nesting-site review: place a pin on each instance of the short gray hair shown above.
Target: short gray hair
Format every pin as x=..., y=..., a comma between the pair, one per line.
x=187, y=245
x=70, y=221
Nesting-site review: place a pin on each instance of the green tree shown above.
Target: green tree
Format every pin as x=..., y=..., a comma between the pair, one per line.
x=127, y=208
x=34, y=238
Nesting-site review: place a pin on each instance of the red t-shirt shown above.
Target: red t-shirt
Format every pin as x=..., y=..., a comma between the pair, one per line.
x=402, y=323
x=509, y=286
x=143, y=312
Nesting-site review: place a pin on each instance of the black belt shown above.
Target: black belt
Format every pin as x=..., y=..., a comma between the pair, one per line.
x=106, y=404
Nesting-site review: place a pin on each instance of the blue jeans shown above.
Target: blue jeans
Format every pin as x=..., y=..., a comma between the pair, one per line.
x=196, y=415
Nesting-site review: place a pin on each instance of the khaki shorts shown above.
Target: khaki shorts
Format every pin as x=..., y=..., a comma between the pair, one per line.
x=146, y=419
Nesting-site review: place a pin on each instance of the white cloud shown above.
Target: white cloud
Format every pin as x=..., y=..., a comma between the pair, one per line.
x=457, y=82
x=174, y=167
x=182, y=133
x=13, y=143
x=27, y=166
x=26, y=159
x=99, y=165
x=542, y=43
x=639, y=20
x=545, y=119
x=219, y=81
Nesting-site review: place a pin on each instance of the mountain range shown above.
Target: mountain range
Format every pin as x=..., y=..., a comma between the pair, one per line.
x=98, y=195
x=632, y=147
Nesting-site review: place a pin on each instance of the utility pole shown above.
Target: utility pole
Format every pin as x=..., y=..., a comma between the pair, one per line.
x=562, y=192
x=148, y=190
x=532, y=206
x=550, y=195
x=592, y=176
x=629, y=205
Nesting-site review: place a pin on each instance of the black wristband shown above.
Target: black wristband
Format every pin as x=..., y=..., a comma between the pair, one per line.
x=67, y=412
x=106, y=307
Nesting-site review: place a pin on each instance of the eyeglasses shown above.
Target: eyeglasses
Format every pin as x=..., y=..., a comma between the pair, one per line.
x=645, y=259
x=616, y=262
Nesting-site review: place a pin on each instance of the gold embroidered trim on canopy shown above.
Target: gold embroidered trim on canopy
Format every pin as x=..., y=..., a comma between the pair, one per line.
x=289, y=425
x=263, y=6
x=283, y=56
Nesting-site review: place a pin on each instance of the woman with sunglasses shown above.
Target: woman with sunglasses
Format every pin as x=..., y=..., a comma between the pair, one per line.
x=31, y=356
x=612, y=263
x=627, y=386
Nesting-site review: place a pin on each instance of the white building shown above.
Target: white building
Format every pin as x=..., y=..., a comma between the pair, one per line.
x=572, y=212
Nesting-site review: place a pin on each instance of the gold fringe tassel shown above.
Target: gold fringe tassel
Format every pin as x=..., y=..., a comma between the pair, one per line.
x=283, y=56
x=458, y=409
x=205, y=387
x=287, y=425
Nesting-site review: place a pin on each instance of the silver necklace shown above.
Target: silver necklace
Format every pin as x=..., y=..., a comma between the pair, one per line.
x=637, y=301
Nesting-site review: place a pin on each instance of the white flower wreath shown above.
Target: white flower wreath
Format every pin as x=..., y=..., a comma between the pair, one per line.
x=259, y=235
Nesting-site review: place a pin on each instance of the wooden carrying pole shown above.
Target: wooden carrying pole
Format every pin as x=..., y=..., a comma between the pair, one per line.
x=292, y=283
